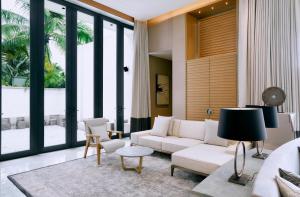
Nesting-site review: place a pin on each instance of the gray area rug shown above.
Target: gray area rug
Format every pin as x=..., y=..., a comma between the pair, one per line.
x=83, y=178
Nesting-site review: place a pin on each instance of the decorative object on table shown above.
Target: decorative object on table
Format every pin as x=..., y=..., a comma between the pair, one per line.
x=274, y=96
x=241, y=124
x=271, y=121
x=162, y=90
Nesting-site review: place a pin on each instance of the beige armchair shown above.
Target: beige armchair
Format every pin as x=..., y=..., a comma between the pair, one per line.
x=97, y=136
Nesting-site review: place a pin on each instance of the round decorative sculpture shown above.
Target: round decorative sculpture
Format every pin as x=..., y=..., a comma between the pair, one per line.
x=273, y=96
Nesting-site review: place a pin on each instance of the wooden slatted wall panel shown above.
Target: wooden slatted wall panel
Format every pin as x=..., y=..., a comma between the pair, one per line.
x=197, y=89
x=223, y=82
x=191, y=37
x=218, y=34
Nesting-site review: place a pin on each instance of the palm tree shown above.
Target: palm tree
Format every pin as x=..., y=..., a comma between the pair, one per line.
x=16, y=41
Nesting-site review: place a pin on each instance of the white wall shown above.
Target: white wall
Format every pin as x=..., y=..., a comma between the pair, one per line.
x=170, y=36
x=178, y=69
x=160, y=37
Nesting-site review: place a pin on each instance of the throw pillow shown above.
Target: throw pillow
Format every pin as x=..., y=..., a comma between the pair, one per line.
x=101, y=131
x=211, y=134
x=176, y=127
x=286, y=188
x=170, y=129
x=289, y=176
x=160, y=127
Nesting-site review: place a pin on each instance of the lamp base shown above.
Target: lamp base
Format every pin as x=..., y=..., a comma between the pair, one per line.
x=260, y=155
x=243, y=180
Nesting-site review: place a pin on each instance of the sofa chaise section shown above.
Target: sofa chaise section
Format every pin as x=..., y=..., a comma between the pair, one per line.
x=202, y=159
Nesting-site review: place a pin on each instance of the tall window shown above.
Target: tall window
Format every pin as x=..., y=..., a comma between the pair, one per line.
x=54, y=74
x=128, y=62
x=85, y=71
x=15, y=78
x=109, y=70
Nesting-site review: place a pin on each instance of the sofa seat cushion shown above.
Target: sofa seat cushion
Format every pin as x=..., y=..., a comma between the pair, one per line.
x=203, y=158
x=172, y=144
x=134, y=137
x=154, y=142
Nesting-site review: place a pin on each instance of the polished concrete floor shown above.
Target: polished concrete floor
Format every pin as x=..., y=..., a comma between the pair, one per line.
x=7, y=189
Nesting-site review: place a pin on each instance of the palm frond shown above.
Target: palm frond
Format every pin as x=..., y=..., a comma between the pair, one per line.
x=12, y=30
x=13, y=18
x=84, y=34
x=24, y=4
x=60, y=40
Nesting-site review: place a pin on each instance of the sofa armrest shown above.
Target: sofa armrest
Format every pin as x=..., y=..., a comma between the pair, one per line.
x=134, y=137
x=231, y=148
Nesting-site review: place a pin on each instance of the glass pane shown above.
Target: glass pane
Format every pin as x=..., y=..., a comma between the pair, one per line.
x=15, y=76
x=128, y=62
x=54, y=74
x=109, y=70
x=85, y=71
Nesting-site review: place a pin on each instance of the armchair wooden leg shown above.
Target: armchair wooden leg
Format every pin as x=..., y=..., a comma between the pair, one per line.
x=87, y=144
x=98, y=153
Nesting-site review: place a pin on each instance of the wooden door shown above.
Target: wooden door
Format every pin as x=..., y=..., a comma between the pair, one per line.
x=223, y=83
x=197, y=89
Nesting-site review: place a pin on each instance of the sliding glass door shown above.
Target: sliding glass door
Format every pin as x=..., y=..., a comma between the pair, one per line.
x=128, y=74
x=109, y=72
x=85, y=71
x=54, y=74
x=15, y=76
x=80, y=67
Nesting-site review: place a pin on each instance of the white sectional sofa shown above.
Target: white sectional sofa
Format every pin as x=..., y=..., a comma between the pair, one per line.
x=194, y=145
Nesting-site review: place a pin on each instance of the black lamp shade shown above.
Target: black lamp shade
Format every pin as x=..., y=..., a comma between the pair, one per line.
x=242, y=124
x=270, y=115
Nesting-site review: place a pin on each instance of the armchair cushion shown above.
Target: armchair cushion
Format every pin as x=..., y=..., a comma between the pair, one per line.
x=101, y=131
x=112, y=145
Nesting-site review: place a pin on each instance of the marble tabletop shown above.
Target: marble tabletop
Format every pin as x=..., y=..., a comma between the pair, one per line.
x=217, y=184
x=134, y=151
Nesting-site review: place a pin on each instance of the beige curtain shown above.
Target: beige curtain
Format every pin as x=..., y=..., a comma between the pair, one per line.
x=140, y=112
x=272, y=50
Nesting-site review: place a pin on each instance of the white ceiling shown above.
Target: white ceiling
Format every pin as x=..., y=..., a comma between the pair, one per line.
x=145, y=9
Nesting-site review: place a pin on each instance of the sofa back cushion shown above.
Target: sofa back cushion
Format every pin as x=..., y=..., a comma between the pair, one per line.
x=211, y=134
x=192, y=129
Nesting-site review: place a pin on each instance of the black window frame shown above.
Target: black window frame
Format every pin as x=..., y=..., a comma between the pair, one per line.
x=37, y=76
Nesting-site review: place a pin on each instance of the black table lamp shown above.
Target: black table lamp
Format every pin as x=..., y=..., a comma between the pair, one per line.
x=241, y=124
x=271, y=121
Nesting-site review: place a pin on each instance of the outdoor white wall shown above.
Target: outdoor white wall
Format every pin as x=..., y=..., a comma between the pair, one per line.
x=15, y=101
